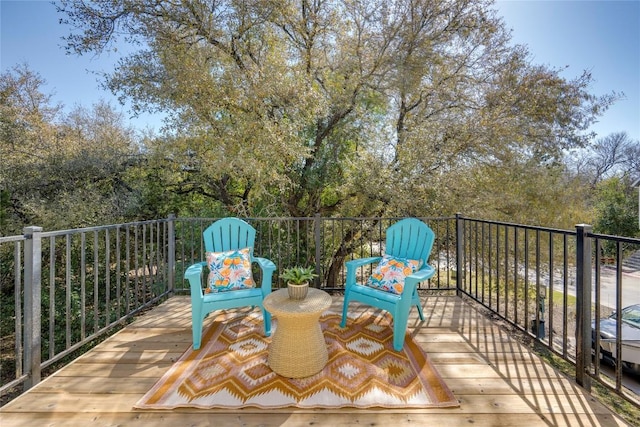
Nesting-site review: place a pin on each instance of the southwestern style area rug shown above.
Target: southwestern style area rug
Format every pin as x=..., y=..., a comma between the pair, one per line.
x=363, y=371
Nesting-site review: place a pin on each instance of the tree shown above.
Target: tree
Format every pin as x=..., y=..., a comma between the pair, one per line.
x=617, y=208
x=60, y=170
x=25, y=137
x=631, y=162
x=603, y=173
x=615, y=154
x=347, y=108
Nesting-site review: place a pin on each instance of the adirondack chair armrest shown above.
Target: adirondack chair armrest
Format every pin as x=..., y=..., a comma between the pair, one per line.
x=412, y=280
x=354, y=264
x=194, y=276
x=268, y=267
x=265, y=264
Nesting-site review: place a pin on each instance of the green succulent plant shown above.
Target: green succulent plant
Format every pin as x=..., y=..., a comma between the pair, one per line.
x=298, y=275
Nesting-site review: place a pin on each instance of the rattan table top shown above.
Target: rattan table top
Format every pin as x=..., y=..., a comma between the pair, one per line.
x=280, y=305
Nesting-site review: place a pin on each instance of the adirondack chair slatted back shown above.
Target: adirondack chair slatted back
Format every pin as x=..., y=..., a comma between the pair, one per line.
x=411, y=239
x=226, y=235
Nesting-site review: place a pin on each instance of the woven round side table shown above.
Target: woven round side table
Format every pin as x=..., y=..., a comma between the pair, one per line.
x=297, y=348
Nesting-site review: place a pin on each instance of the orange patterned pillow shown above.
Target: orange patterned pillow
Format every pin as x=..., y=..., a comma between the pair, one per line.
x=390, y=273
x=230, y=270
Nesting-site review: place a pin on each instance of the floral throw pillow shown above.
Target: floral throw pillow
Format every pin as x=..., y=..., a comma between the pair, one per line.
x=230, y=270
x=390, y=273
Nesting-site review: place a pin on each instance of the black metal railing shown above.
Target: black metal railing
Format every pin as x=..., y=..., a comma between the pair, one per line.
x=556, y=286
x=72, y=287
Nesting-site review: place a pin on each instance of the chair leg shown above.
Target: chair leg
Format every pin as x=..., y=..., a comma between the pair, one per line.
x=419, y=306
x=416, y=300
x=398, y=337
x=266, y=318
x=345, y=306
x=400, y=321
x=196, y=329
x=197, y=319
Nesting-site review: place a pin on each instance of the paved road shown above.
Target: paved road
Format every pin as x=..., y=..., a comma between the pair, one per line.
x=630, y=287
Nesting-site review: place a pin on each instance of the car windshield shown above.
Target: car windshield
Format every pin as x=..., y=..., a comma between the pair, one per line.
x=631, y=315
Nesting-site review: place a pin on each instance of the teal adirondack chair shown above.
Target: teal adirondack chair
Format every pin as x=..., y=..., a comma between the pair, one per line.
x=227, y=240
x=394, y=281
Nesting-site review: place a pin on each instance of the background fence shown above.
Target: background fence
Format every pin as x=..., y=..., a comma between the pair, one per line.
x=64, y=290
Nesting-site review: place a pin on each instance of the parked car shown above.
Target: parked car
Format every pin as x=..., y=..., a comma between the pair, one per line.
x=630, y=338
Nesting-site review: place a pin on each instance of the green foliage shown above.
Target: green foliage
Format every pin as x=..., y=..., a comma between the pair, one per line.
x=343, y=108
x=616, y=205
x=61, y=171
x=4, y=209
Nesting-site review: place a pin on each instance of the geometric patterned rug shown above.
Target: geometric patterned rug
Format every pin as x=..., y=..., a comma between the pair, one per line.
x=363, y=371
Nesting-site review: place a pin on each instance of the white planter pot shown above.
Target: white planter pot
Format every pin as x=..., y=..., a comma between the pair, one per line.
x=298, y=291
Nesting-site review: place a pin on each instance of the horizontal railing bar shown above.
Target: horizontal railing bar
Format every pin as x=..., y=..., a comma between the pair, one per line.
x=7, y=239
x=520, y=226
x=99, y=228
x=620, y=239
x=14, y=383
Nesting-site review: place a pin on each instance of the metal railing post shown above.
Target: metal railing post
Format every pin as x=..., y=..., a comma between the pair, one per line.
x=171, y=256
x=459, y=249
x=32, y=301
x=583, y=305
x=317, y=235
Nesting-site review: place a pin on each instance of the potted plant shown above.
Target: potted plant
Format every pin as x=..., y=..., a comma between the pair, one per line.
x=297, y=279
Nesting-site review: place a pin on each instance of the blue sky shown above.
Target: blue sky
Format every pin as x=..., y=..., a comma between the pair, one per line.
x=600, y=36
x=30, y=33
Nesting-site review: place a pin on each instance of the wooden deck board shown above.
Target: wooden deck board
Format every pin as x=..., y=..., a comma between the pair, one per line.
x=496, y=379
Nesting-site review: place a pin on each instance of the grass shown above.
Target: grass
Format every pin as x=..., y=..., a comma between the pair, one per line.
x=558, y=296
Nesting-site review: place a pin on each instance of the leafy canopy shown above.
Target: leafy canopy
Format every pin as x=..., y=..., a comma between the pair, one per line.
x=343, y=107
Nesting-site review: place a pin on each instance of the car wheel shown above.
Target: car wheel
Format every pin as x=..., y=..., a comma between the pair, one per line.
x=607, y=357
x=633, y=368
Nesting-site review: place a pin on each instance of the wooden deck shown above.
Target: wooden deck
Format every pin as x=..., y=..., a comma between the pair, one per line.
x=496, y=379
